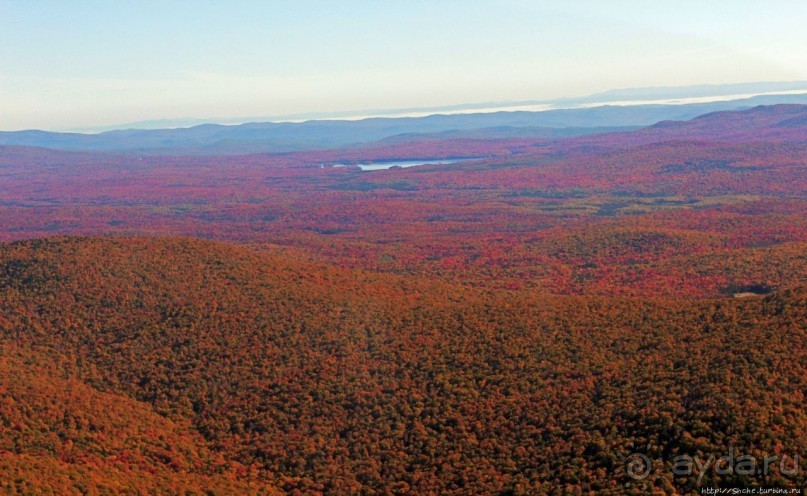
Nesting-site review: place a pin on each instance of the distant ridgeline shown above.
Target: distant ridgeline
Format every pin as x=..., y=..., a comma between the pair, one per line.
x=277, y=137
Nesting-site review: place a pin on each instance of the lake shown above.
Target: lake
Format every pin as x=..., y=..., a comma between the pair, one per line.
x=382, y=164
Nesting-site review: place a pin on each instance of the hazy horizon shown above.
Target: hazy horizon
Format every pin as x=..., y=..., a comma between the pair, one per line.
x=88, y=64
x=467, y=108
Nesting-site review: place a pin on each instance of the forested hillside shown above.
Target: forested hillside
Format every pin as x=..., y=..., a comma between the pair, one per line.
x=176, y=363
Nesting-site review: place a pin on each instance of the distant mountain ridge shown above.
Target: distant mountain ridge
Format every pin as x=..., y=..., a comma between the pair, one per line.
x=215, y=139
x=681, y=95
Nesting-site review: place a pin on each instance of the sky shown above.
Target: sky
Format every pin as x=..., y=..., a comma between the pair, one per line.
x=67, y=64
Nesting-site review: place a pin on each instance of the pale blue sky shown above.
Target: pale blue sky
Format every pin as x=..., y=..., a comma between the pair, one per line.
x=67, y=64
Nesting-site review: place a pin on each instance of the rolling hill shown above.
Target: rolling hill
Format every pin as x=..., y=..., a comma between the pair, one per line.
x=696, y=208
x=319, y=380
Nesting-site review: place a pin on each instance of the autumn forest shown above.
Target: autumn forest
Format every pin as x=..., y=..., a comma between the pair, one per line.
x=528, y=313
